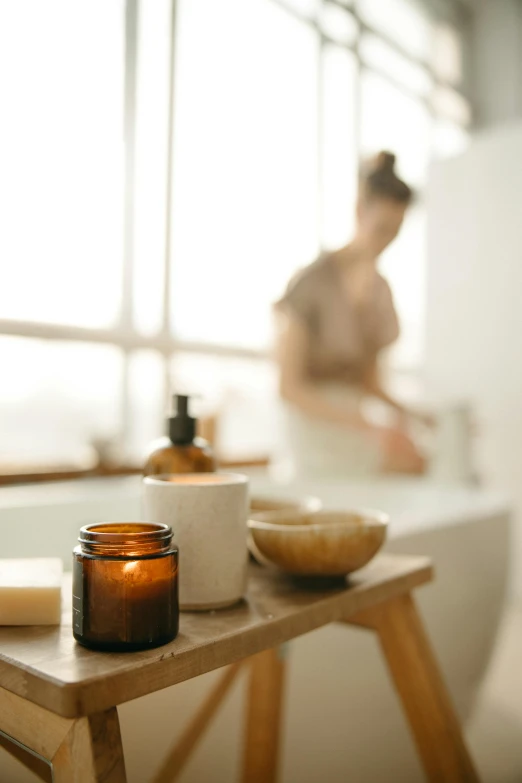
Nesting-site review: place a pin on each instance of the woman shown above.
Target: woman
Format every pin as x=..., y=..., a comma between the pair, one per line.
x=336, y=318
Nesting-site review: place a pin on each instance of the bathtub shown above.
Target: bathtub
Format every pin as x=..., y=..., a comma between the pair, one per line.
x=342, y=720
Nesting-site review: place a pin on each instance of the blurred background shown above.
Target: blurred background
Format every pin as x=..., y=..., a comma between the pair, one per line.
x=163, y=177
x=167, y=165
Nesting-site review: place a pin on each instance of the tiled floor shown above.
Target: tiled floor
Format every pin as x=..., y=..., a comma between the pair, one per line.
x=495, y=733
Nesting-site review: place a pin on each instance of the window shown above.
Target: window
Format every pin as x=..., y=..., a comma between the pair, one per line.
x=159, y=190
x=391, y=119
x=245, y=205
x=145, y=401
x=385, y=59
x=404, y=22
x=339, y=25
x=61, y=158
x=404, y=265
x=449, y=103
x=446, y=54
x=307, y=8
x=450, y=138
x=242, y=391
x=149, y=217
x=339, y=158
x=57, y=400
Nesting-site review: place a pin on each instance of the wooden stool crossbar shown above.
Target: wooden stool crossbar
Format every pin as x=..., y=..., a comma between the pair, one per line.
x=60, y=701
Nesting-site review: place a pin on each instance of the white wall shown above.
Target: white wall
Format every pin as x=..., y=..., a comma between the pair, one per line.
x=474, y=319
x=496, y=61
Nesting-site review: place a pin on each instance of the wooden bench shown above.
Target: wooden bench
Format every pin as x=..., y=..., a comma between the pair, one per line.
x=60, y=700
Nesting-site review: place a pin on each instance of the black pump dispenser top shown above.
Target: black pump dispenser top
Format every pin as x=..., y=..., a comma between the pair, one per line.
x=182, y=427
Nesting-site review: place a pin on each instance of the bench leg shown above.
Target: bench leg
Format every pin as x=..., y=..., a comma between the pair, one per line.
x=83, y=750
x=264, y=712
x=91, y=752
x=420, y=686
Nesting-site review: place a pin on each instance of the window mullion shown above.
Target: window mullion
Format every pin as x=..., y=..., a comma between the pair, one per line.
x=169, y=184
x=130, y=121
x=320, y=140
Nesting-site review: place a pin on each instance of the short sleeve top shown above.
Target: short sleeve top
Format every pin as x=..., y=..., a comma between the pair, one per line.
x=343, y=337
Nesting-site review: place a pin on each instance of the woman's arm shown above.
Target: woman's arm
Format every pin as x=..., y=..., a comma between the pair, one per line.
x=399, y=454
x=294, y=385
x=374, y=386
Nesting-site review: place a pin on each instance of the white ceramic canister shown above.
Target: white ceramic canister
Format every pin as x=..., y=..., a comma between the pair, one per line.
x=207, y=513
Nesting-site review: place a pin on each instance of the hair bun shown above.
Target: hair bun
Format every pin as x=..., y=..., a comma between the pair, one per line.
x=379, y=180
x=384, y=162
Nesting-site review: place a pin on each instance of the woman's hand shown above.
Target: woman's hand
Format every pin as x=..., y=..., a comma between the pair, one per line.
x=427, y=419
x=400, y=455
x=407, y=415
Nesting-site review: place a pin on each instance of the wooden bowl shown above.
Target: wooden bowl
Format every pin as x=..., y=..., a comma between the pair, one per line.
x=260, y=504
x=324, y=543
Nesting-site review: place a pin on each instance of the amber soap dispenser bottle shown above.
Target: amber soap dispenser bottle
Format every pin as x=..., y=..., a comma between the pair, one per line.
x=182, y=451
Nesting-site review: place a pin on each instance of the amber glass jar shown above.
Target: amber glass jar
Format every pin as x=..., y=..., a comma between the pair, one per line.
x=125, y=586
x=181, y=451
x=167, y=457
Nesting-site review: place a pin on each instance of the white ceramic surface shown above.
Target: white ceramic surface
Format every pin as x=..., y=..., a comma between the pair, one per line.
x=260, y=504
x=207, y=513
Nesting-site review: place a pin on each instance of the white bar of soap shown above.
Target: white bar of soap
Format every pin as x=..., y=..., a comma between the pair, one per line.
x=30, y=591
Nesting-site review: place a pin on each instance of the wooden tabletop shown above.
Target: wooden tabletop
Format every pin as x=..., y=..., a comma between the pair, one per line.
x=46, y=666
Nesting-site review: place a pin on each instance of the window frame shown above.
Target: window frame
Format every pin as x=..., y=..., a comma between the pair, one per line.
x=123, y=334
